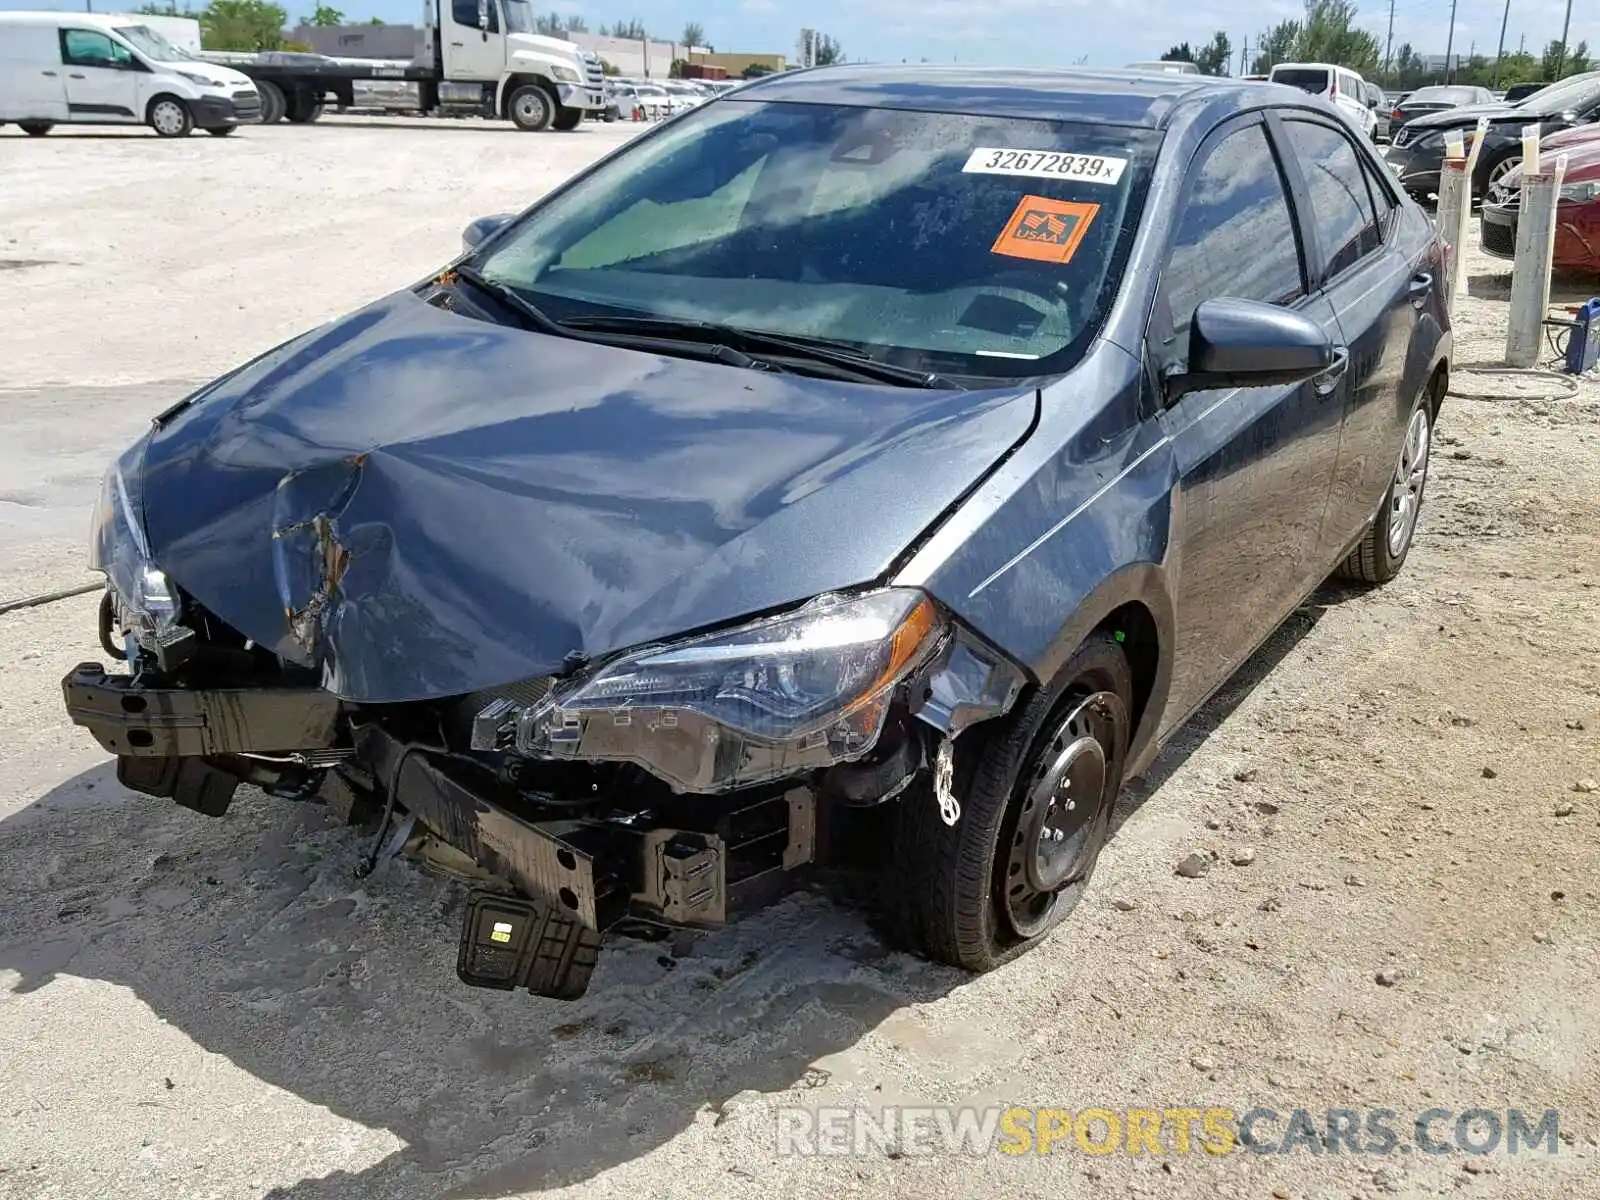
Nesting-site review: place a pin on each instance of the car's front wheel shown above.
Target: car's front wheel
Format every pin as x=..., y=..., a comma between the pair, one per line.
x=1383, y=549
x=169, y=117
x=1035, y=808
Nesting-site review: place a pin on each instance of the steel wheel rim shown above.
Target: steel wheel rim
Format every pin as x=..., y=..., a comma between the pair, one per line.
x=530, y=109
x=1080, y=809
x=1410, y=476
x=168, y=117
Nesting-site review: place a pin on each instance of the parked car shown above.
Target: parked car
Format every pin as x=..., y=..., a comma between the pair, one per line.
x=1577, y=240
x=723, y=514
x=1428, y=100
x=1416, y=154
x=59, y=68
x=1165, y=67
x=1518, y=92
x=1339, y=86
x=1380, y=112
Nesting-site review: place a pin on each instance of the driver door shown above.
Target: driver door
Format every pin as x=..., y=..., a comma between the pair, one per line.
x=102, y=77
x=1255, y=464
x=473, y=52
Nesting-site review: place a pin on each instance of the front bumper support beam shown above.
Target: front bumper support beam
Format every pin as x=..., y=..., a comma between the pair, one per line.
x=130, y=719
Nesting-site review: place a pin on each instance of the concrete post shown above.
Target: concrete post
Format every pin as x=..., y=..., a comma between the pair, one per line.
x=1455, y=200
x=1530, y=272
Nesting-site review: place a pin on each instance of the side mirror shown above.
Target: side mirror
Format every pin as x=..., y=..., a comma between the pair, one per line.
x=475, y=234
x=1245, y=343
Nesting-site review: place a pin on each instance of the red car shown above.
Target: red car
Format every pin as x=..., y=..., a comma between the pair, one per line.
x=1578, y=215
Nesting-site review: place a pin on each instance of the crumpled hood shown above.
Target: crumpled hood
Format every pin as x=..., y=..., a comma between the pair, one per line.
x=425, y=505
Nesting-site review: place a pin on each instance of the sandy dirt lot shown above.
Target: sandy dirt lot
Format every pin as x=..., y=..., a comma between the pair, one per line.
x=218, y=1008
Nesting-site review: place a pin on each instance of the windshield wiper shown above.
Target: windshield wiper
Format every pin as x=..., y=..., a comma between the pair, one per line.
x=508, y=297
x=536, y=319
x=805, y=349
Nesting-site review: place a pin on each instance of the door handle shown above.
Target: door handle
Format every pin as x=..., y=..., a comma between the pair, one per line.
x=51, y=74
x=1420, y=286
x=1328, y=381
x=73, y=75
x=458, y=45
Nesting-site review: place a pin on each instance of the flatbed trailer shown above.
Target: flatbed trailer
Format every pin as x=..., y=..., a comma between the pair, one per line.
x=474, y=55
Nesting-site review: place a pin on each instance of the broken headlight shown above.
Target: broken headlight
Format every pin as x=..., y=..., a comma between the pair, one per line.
x=143, y=599
x=745, y=706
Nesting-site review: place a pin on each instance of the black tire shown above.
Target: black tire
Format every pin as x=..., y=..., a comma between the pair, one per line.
x=304, y=107
x=221, y=130
x=948, y=885
x=36, y=128
x=531, y=108
x=567, y=119
x=1380, y=556
x=273, y=104
x=169, y=117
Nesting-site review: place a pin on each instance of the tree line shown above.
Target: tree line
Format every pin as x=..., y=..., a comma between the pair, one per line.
x=1328, y=33
x=254, y=25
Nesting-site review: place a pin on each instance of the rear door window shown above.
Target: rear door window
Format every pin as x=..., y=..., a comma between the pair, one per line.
x=1341, y=206
x=1308, y=79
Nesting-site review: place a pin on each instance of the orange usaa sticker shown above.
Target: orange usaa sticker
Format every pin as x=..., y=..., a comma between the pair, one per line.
x=1045, y=230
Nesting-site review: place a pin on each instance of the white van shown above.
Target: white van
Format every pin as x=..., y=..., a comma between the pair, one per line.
x=60, y=68
x=1339, y=86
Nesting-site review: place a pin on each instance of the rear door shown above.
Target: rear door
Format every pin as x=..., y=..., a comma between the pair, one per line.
x=33, y=85
x=1255, y=464
x=1377, y=289
x=103, y=77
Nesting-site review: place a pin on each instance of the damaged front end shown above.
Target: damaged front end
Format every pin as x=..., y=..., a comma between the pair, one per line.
x=665, y=787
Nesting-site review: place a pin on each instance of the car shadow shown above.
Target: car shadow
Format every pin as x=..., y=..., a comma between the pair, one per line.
x=1226, y=700
x=252, y=935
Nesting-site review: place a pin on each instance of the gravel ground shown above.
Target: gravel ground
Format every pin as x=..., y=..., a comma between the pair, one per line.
x=199, y=1008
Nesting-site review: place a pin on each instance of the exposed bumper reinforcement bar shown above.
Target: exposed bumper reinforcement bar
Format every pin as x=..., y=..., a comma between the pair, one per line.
x=129, y=719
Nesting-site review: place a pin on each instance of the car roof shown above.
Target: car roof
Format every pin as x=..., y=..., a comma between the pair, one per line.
x=1100, y=96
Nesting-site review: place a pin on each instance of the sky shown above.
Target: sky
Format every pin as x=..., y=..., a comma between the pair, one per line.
x=1018, y=32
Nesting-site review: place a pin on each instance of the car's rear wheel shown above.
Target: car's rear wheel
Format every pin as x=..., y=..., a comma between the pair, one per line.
x=1383, y=550
x=1035, y=808
x=36, y=128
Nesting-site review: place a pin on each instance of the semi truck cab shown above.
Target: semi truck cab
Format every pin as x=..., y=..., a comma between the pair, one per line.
x=496, y=41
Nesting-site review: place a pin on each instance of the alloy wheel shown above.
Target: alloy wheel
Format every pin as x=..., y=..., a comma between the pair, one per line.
x=1410, y=475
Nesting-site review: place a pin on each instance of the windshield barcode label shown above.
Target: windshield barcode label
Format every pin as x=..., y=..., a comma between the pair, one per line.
x=1045, y=164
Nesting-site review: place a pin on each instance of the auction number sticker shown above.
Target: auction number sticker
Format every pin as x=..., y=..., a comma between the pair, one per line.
x=1046, y=164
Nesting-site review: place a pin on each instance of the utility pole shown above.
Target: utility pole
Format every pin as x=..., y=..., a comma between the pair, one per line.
x=1449, y=45
x=1388, y=42
x=1566, y=25
x=1244, y=57
x=1500, y=53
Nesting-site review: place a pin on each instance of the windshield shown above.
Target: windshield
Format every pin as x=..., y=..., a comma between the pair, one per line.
x=1443, y=95
x=1307, y=79
x=958, y=244
x=519, y=16
x=1579, y=92
x=151, y=44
